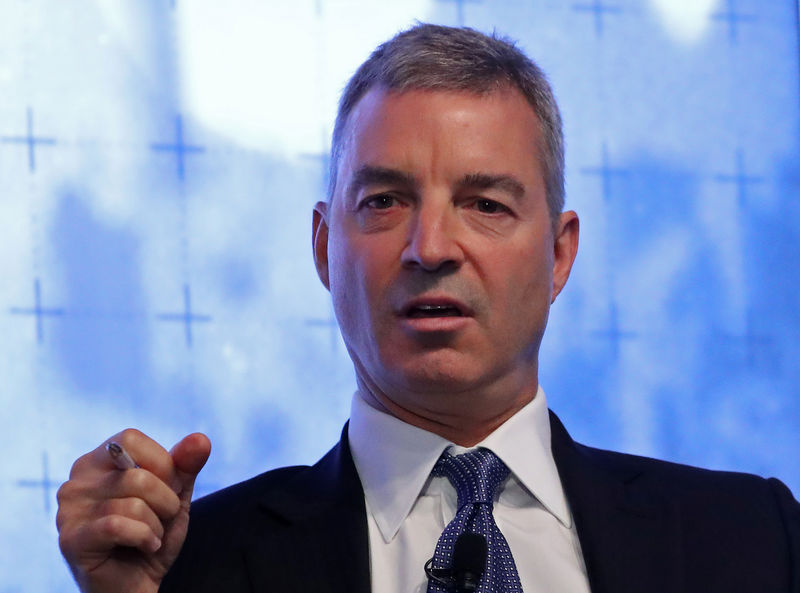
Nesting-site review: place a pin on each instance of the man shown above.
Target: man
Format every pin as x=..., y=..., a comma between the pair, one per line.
x=443, y=244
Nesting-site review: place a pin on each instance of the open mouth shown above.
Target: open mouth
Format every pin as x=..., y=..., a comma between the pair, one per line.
x=421, y=311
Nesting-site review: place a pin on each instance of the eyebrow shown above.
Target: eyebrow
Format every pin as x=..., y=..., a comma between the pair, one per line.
x=483, y=181
x=372, y=175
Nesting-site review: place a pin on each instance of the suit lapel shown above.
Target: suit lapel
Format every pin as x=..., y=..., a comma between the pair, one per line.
x=315, y=534
x=629, y=537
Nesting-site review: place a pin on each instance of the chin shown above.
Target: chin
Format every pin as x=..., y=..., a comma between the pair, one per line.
x=441, y=376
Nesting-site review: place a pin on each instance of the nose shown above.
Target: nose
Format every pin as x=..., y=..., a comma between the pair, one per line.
x=432, y=243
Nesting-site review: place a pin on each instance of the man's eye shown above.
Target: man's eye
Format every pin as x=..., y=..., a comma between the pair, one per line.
x=380, y=202
x=489, y=206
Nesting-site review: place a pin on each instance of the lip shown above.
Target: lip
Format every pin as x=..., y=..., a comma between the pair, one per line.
x=435, y=324
x=435, y=301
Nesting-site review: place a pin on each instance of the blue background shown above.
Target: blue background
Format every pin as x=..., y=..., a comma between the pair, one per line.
x=158, y=165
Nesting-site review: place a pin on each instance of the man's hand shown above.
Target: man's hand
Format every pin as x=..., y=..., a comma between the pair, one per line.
x=121, y=530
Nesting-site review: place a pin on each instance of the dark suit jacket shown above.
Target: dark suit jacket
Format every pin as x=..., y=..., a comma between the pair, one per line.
x=644, y=525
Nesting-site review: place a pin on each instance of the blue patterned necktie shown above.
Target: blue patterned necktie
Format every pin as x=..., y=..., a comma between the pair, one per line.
x=476, y=476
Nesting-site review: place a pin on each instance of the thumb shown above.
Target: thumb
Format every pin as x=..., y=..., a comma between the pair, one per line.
x=189, y=456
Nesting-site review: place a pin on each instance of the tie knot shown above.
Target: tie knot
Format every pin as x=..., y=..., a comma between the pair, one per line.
x=475, y=475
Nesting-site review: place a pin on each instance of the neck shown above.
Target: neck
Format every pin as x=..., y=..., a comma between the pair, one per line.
x=464, y=425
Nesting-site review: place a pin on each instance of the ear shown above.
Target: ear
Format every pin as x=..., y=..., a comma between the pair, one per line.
x=319, y=241
x=565, y=248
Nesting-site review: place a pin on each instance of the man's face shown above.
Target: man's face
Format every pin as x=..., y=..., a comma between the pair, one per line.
x=437, y=247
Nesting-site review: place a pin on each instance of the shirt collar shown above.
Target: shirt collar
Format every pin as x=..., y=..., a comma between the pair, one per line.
x=395, y=459
x=523, y=443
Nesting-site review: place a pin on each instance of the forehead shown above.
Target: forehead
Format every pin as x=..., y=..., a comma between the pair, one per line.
x=412, y=128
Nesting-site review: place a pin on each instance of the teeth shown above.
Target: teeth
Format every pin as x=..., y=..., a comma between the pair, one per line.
x=434, y=311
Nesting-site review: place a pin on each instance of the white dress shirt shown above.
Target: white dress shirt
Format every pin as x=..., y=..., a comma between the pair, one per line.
x=407, y=509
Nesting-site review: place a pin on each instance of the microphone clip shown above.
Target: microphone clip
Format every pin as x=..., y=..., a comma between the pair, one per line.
x=469, y=561
x=442, y=576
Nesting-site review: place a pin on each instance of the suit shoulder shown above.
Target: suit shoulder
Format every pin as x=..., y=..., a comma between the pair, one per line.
x=677, y=480
x=239, y=499
x=627, y=466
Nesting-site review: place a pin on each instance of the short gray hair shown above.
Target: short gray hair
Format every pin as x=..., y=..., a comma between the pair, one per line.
x=434, y=57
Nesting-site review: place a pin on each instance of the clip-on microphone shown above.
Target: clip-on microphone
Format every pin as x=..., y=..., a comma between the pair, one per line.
x=469, y=560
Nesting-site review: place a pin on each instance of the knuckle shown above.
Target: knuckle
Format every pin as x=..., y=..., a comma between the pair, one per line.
x=65, y=544
x=71, y=501
x=60, y=520
x=130, y=436
x=111, y=526
x=128, y=507
x=137, y=507
x=176, y=505
x=138, y=479
x=80, y=465
x=64, y=492
x=169, y=507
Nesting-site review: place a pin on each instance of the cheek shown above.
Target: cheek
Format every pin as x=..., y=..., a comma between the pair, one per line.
x=355, y=286
x=345, y=291
x=529, y=288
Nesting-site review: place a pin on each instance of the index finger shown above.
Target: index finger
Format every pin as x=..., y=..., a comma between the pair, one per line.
x=143, y=452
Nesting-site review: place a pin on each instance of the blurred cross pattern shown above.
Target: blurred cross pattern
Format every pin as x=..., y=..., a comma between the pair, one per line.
x=44, y=483
x=757, y=345
x=30, y=140
x=739, y=178
x=38, y=311
x=179, y=148
x=599, y=10
x=187, y=317
x=733, y=18
x=613, y=333
x=606, y=172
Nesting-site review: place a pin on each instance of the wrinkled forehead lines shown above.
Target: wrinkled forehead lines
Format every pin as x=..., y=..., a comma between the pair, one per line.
x=371, y=102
